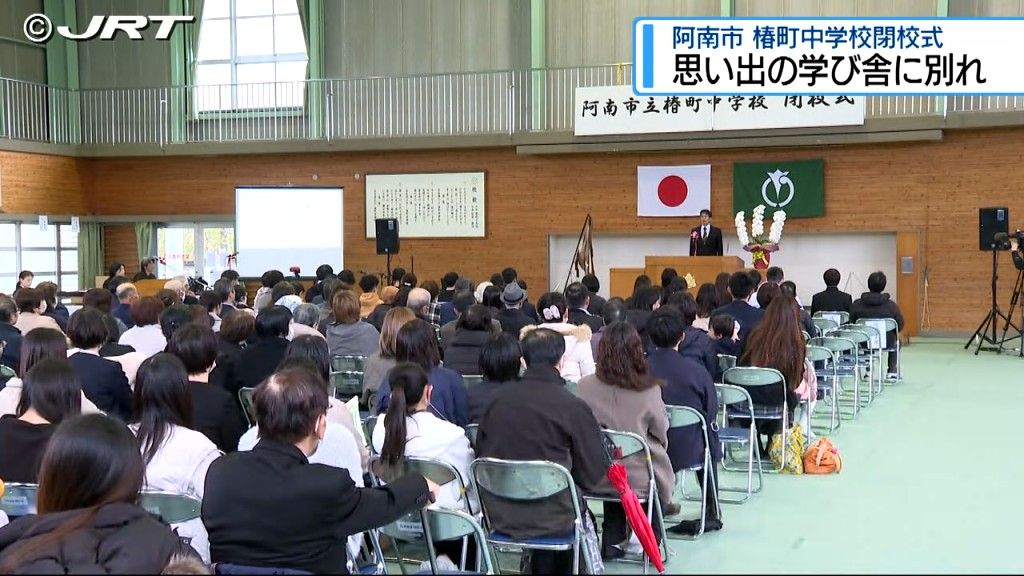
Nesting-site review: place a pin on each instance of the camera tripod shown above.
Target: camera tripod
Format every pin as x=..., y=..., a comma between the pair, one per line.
x=991, y=321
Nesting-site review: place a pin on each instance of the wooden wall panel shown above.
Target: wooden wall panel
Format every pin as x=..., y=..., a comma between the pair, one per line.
x=931, y=188
x=119, y=246
x=40, y=184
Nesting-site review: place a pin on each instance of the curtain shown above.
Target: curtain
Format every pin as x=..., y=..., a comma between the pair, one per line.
x=304, y=18
x=193, y=8
x=90, y=254
x=144, y=239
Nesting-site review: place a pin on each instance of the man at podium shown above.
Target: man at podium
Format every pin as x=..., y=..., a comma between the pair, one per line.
x=705, y=240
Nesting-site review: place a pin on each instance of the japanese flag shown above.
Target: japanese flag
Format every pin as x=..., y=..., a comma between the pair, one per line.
x=673, y=190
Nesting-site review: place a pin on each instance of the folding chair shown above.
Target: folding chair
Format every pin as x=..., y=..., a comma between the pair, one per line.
x=631, y=446
x=826, y=385
x=409, y=528
x=19, y=499
x=806, y=335
x=370, y=559
x=571, y=386
x=369, y=423
x=840, y=317
x=245, y=399
x=524, y=482
x=729, y=395
x=680, y=417
x=748, y=377
x=172, y=508
x=6, y=372
x=875, y=346
x=824, y=325
x=844, y=364
x=863, y=358
x=471, y=380
x=441, y=525
x=725, y=361
x=347, y=376
x=471, y=432
x=886, y=325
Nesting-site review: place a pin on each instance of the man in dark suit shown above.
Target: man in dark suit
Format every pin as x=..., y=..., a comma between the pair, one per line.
x=706, y=240
x=271, y=508
x=9, y=335
x=538, y=419
x=831, y=299
x=578, y=299
x=741, y=286
x=687, y=383
x=593, y=285
x=259, y=360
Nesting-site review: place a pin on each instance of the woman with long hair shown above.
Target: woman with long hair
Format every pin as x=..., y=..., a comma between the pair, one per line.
x=41, y=343
x=50, y=394
x=624, y=396
x=578, y=360
x=89, y=520
x=376, y=368
x=176, y=457
x=417, y=343
x=722, y=288
x=707, y=301
x=472, y=331
x=642, y=281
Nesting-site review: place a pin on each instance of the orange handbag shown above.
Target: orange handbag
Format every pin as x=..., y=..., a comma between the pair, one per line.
x=822, y=458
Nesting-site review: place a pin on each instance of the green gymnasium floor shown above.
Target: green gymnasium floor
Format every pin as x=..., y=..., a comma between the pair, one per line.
x=929, y=483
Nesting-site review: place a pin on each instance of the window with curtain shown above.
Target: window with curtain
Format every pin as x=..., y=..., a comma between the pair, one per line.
x=251, y=56
x=51, y=254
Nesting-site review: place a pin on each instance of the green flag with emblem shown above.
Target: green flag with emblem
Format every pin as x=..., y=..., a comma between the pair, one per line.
x=796, y=186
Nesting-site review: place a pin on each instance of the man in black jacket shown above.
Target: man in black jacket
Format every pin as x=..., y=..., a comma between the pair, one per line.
x=831, y=299
x=593, y=285
x=512, y=318
x=578, y=299
x=706, y=240
x=876, y=304
x=9, y=335
x=271, y=508
x=741, y=286
x=259, y=360
x=538, y=419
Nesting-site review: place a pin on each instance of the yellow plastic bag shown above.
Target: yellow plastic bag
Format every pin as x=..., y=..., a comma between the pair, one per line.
x=795, y=448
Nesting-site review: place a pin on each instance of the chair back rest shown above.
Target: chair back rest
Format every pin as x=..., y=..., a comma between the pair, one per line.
x=522, y=480
x=471, y=380
x=572, y=387
x=19, y=499
x=880, y=325
x=441, y=525
x=341, y=363
x=876, y=336
x=817, y=353
x=856, y=334
x=840, y=317
x=679, y=416
x=248, y=408
x=6, y=371
x=626, y=444
x=806, y=335
x=726, y=361
x=172, y=508
x=730, y=394
x=837, y=344
x=471, y=432
x=369, y=423
x=347, y=375
x=825, y=325
x=751, y=376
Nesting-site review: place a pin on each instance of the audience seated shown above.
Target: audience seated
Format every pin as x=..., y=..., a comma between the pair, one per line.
x=225, y=291
x=176, y=456
x=376, y=367
x=31, y=306
x=347, y=336
x=145, y=337
x=724, y=340
x=116, y=270
x=102, y=380
x=167, y=297
x=89, y=521
x=446, y=311
x=472, y=332
x=538, y=419
x=696, y=344
x=625, y=397
x=578, y=360
x=235, y=330
x=740, y=287
x=388, y=300
x=577, y=298
x=315, y=293
x=508, y=276
x=259, y=504
x=215, y=412
x=644, y=301
x=50, y=393
x=212, y=305
x=304, y=319
x=766, y=293
x=642, y=281
x=512, y=317
x=722, y=288
x=676, y=285
x=418, y=300
x=310, y=353
x=614, y=311
x=831, y=299
x=268, y=280
x=111, y=348
x=755, y=282
x=54, y=309
x=593, y=286
x=417, y=343
x=447, y=288
x=127, y=295
x=500, y=362
x=707, y=301
x=259, y=360
x=877, y=304
x=41, y=344
x=687, y=383
x=9, y=335
x=788, y=288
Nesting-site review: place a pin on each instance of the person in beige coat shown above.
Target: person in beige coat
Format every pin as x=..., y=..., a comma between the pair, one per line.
x=625, y=397
x=31, y=306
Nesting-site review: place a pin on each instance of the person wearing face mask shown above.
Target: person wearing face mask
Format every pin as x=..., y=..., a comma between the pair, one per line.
x=259, y=506
x=31, y=306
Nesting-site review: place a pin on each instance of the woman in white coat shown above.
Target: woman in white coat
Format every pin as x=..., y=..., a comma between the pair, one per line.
x=578, y=360
x=177, y=457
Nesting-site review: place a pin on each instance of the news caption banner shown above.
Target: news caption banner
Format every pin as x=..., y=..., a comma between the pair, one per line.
x=436, y=205
x=616, y=110
x=827, y=56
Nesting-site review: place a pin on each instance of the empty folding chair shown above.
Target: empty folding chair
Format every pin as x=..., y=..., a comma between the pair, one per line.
x=863, y=359
x=245, y=399
x=347, y=376
x=682, y=416
x=875, y=347
x=826, y=380
x=739, y=399
x=526, y=483
x=751, y=378
x=844, y=365
x=19, y=499
x=440, y=525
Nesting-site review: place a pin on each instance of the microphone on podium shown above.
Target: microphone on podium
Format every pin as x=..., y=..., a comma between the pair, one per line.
x=295, y=270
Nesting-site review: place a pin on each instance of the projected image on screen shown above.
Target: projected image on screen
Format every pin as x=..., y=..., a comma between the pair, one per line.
x=277, y=228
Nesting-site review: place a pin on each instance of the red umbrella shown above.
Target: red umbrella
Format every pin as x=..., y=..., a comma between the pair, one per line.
x=635, y=514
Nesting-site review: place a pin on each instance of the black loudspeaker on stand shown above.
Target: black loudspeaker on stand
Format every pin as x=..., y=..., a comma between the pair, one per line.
x=387, y=240
x=993, y=225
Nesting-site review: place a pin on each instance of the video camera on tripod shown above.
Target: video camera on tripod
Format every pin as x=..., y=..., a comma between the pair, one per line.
x=995, y=236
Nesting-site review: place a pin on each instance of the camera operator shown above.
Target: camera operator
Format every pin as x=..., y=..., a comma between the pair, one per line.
x=1015, y=251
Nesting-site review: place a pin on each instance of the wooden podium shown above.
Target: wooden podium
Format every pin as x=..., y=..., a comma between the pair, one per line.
x=703, y=268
